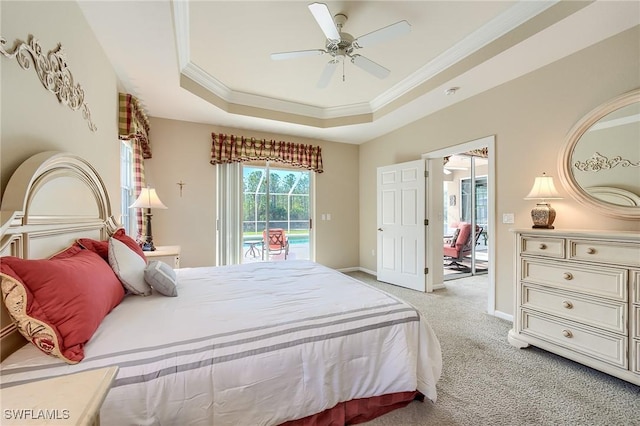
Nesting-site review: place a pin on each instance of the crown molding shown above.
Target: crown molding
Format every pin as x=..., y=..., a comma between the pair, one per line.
x=497, y=27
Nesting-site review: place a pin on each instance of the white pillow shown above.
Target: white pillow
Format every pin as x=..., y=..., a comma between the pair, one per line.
x=161, y=277
x=129, y=267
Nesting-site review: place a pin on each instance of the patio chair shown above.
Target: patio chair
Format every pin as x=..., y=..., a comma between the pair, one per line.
x=277, y=242
x=460, y=245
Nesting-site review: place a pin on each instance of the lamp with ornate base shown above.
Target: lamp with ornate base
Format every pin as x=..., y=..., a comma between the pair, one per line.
x=148, y=199
x=543, y=189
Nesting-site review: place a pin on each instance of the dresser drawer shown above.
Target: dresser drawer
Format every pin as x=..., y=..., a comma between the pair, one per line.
x=542, y=246
x=635, y=321
x=599, y=313
x=635, y=356
x=607, y=347
x=598, y=281
x=605, y=252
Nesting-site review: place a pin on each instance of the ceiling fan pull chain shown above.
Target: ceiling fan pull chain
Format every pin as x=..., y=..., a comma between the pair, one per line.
x=343, y=70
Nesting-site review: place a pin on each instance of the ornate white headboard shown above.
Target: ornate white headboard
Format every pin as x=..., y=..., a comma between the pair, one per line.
x=51, y=200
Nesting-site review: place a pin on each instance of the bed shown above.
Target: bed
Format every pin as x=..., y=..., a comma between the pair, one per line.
x=263, y=344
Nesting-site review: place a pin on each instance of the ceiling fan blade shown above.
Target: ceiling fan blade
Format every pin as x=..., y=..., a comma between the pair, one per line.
x=383, y=34
x=327, y=73
x=297, y=54
x=369, y=66
x=323, y=17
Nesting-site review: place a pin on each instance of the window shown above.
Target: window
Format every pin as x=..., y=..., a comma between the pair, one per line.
x=127, y=188
x=482, y=209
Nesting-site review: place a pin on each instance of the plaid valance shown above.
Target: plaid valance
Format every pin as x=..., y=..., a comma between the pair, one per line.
x=133, y=122
x=230, y=149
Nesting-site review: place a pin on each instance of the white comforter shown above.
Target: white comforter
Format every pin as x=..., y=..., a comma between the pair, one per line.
x=255, y=344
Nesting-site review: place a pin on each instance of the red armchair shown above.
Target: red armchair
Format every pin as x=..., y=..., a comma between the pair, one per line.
x=277, y=242
x=460, y=245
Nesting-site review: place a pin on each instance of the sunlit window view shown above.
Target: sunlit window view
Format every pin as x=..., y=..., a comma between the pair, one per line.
x=276, y=214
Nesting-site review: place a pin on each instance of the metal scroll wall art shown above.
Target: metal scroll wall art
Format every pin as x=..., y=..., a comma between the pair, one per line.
x=52, y=71
x=599, y=162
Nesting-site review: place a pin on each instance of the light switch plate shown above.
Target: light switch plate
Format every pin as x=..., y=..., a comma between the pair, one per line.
x=508, y=218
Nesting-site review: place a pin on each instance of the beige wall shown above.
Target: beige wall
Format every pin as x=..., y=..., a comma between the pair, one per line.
x=32, y=119
x=530, y=117
x=181, y=151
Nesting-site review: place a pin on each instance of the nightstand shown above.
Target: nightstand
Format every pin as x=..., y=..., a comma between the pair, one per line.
x=167, y=254
x=74, y=399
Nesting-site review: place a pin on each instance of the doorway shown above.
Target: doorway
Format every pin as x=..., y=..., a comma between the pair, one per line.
x=465, y=206
x=436, y=203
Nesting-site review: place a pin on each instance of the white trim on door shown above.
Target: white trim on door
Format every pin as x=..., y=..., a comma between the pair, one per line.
x=434, y=237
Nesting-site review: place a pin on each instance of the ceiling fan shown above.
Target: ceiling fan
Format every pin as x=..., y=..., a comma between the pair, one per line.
x=342, y=45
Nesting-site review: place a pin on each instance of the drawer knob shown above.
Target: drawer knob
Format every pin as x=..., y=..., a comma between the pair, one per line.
x=567, y=304
x=543, y=246
x=567, y=276
x=567, y=333
x=591, y=250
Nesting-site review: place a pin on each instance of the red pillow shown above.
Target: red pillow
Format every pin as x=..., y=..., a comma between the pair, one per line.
x=59, y=303
x=70, y=251
x=102, y=247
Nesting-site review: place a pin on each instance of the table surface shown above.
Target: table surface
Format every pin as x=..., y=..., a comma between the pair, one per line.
x=74, y=399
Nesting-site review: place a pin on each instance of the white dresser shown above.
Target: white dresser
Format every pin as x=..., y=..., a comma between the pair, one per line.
x=578, y=295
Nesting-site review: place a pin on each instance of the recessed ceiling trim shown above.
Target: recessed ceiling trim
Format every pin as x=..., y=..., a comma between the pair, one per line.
x=181, y=30
x=207, y=81
x=210, y=83
x=222, y=91
x=497, y=27
x=494, y=29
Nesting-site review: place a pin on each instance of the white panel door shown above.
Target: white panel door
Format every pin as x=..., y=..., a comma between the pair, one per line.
x=401, y=228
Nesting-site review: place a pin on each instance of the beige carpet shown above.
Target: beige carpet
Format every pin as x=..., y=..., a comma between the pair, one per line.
x=486, y=381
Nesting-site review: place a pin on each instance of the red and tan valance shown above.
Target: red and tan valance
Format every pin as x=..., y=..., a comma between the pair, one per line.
x=230, y=149
x=133, y=122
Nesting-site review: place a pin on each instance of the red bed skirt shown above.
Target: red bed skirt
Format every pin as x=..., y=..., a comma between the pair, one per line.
x=358, y=410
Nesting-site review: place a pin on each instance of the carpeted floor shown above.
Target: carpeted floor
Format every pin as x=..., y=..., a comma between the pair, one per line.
x=486, y=381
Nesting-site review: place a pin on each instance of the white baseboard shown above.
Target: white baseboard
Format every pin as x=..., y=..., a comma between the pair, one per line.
x=439, y=286
x=368, y=271
x=352, y=269
x=503, y=316
x=358, y=269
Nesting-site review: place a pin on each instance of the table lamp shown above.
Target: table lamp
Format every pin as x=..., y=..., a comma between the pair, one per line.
x=148, y=199
x=543, y=189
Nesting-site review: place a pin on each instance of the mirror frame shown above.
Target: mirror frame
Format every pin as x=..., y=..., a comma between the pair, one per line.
x=566, y=174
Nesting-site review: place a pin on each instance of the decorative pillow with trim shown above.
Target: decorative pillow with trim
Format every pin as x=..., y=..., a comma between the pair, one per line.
x=454, y=238
x=70, y=251
x=102, y=247
x=58, y=303
x=128, y=267
x=161, y=277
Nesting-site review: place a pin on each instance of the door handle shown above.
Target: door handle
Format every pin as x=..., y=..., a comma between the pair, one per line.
x=380, y=229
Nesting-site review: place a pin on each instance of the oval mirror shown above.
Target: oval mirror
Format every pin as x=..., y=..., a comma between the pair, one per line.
x=600, y=165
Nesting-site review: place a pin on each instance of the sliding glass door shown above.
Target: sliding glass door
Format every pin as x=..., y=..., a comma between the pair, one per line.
x=276, y=214
x=466, y=202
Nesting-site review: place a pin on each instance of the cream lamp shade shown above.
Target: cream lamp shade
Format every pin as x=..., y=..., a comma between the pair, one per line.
x=148, y=199
x=543, y=189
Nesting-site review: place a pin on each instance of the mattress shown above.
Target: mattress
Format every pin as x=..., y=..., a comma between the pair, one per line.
x=257, y=344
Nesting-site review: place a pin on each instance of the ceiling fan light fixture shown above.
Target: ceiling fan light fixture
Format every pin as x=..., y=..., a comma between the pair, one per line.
x=340, y=19
x=341, y=45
